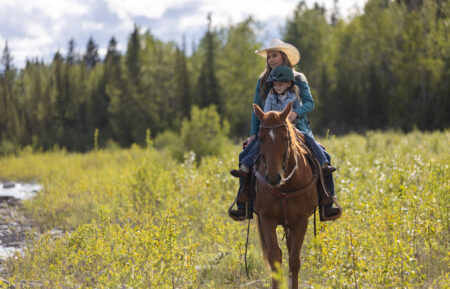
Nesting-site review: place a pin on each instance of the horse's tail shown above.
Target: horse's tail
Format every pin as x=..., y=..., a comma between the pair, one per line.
x=261, y=239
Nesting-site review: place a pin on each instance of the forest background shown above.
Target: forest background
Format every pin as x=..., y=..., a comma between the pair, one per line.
x=387, y=68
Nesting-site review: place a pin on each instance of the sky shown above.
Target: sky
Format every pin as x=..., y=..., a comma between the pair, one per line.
x=38, y=28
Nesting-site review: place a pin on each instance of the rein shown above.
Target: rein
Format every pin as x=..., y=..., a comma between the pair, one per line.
x=283, y=196
x=286, y=155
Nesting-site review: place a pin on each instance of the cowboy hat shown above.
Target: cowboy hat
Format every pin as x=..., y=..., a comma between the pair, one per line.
x=291, y=52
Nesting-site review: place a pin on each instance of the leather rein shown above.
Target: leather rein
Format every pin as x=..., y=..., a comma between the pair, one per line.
x=286, y=154
x=283, y=196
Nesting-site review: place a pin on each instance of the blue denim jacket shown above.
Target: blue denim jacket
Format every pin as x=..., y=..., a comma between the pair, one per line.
x=278, y=103
x=306, y=107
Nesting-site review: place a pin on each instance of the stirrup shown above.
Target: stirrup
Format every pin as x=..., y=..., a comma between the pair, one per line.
x=236, y=218
x=323, y=218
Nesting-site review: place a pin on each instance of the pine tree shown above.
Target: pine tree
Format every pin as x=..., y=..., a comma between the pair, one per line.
x=335, y=14
x=91, y=57
x=72, y=57
x=183, y=93
x=6, y=59
x=132, y=58
x=208, y=85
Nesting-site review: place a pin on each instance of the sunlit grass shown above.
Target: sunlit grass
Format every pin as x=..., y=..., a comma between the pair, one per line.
x=136, y=217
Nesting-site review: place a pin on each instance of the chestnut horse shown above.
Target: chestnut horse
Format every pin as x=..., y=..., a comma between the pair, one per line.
x=286, y=191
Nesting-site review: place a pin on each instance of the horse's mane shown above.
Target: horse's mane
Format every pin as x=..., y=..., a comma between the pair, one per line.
x=292, y=131
x=294, y=139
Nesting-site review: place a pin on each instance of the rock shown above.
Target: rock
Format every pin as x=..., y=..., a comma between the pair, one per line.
x=8, y=185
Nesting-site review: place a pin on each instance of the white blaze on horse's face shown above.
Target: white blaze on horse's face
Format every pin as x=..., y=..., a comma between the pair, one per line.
x=272, y=135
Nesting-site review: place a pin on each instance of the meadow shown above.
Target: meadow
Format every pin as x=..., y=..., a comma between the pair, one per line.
x=136, y=218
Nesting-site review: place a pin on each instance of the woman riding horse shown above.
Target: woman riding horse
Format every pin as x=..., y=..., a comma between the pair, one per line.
x=277, y=54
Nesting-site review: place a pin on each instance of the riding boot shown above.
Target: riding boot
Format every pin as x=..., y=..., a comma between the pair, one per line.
x=238, y=173
x=327, y=169
x=327, y=211
x=242, y=199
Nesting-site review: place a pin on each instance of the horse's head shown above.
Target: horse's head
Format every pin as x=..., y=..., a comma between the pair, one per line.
x=274, y=142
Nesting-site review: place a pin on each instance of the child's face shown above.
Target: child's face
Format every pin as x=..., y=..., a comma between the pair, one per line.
x=281, y=86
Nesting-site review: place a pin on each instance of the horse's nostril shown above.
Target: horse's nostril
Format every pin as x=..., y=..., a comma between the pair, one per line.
x=275, y=182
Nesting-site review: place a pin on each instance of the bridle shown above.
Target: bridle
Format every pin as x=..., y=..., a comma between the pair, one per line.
x=286, y=154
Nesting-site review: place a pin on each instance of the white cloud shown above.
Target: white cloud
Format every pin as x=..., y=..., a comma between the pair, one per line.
x=47, y=8
x=91, y=25
x=146, y=8
x=239, y=9
x=40, y=27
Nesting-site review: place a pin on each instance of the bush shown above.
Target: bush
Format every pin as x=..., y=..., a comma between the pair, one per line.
x=204, y=134
x=169, y=141
x=7, y=148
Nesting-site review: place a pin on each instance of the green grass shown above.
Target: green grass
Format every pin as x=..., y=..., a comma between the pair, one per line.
x=138, y=218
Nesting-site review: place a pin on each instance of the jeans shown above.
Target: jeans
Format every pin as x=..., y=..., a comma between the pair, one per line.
x=317, y=148
x=329, y=179
x=246, y=158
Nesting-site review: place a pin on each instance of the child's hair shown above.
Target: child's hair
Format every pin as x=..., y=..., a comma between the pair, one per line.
x=294, y=89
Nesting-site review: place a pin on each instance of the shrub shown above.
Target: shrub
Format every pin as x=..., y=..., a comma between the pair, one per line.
x=204, y=134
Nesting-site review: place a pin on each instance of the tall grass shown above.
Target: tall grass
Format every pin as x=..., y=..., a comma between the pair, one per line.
x=136, y=218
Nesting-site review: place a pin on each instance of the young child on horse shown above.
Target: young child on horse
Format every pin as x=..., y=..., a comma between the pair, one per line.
x=283, y=88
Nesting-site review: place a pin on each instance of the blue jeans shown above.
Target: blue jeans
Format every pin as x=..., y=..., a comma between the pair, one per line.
x=317, y=148
x=329, y=179
x=246, y=158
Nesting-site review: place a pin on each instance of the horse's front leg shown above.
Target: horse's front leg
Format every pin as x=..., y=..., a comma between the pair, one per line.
x=294, y=244
x=270, y=242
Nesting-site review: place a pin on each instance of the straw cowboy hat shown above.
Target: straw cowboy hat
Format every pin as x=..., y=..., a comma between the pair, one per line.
x=276, y=44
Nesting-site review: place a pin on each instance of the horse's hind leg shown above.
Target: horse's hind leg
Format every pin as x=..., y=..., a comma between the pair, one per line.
x=270, y=242
x=294, y=244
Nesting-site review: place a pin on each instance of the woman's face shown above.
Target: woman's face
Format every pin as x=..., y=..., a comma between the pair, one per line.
x=274, y=58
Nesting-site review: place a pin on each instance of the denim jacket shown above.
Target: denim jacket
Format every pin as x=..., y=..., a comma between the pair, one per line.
x=306, y=106
x=278, y=103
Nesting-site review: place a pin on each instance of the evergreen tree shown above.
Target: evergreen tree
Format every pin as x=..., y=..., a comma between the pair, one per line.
x=238, y=71
x=11, y=125
x=207, y=83
x=183, y=92
x=335, y=14
x=7, y=59
x=91, y=57
x=132, y=58
x=72, y=57
x=308, y=30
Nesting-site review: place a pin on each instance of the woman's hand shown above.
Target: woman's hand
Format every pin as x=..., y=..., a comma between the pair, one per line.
x=248, y=141
x=292, y=116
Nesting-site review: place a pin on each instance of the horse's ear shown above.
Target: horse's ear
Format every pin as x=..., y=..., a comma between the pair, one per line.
x=258, y=111
x=287, y=110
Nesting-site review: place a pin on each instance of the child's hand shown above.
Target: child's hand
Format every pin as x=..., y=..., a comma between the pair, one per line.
x=292, y=116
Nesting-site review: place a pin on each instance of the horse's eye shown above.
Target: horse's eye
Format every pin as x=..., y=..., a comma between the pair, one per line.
x=260, y=139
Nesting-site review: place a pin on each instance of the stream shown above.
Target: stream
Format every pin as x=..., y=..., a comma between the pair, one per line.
x=14, y=226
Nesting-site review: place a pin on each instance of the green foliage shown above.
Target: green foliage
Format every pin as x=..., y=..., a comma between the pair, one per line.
x=139, y=253
x=137, y=218
x=387, y=68
x=204, y=134
x=238, y=73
